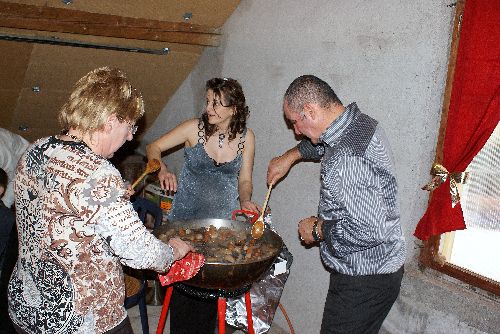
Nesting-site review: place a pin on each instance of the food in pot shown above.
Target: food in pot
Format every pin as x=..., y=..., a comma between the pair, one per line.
x=223, y=245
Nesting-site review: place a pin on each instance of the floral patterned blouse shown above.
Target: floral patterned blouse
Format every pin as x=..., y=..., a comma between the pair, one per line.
x=76, y=228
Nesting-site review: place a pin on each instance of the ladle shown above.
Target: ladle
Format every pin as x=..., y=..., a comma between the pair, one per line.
x=258, y=226
x=152, y=166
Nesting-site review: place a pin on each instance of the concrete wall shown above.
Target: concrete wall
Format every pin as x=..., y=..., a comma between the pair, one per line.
x=390, y=56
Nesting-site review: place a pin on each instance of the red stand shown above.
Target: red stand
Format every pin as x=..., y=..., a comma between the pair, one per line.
x=164, y=310
x=248, y=305
x=221, y=312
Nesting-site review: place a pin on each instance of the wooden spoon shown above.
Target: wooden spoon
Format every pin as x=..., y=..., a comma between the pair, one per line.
x=152, y=166
x=258, y=226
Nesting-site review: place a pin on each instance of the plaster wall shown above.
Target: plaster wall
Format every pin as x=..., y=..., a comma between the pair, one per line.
x=391, y=58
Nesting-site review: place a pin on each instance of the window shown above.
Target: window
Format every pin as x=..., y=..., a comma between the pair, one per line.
x=475, y=248
x=469, y=255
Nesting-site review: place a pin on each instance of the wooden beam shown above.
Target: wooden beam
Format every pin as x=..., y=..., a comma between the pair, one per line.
x=429, y=255
x=43, y=18
x=452, y=60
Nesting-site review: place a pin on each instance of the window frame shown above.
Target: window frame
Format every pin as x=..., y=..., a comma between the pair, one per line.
x=429, y=254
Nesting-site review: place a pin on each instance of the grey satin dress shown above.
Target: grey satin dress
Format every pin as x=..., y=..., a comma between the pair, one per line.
x=207, y=189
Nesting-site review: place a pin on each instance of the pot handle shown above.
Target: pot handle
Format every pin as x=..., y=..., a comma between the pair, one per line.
x=253, y=215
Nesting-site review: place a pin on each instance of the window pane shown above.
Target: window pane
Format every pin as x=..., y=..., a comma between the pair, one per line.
x=477, y=247
x=477, y=250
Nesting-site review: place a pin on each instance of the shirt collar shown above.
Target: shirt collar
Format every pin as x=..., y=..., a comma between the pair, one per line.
x=335, y=130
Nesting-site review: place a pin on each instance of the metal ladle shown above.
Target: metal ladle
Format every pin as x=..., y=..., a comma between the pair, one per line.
x=258, y=226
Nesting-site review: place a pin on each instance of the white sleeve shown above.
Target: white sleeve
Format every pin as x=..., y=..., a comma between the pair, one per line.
x=119, y=225
x=12, y=146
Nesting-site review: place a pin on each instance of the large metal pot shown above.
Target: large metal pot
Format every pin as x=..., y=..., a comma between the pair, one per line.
x=217, y=275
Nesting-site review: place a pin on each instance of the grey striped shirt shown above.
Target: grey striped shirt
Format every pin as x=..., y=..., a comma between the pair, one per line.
x=358, y=196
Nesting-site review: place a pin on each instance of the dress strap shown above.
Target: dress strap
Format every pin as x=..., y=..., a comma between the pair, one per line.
x=241, y=144
x=201, y=132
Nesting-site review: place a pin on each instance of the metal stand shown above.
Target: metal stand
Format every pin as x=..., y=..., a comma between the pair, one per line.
x=154, y=296
x=221, y=312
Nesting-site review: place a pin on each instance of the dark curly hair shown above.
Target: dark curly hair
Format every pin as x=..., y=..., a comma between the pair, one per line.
x=230, y=93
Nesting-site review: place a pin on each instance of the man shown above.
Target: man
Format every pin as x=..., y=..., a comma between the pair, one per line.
x=7, y=218
x=357, y=225
x=12, y=146
x=8, y=254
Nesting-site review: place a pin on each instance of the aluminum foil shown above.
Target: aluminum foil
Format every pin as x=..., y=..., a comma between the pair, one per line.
x=265, y=295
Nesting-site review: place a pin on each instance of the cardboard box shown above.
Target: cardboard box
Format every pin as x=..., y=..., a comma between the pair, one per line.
x=154, y=193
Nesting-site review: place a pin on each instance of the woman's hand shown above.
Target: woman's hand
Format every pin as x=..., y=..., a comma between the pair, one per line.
x=249, y=206
x=130, y=192
x=168, y=180
x=180, y=247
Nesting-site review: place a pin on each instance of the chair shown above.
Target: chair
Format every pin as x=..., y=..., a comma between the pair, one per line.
x=144, y=206
x=135, y=293
x=135, y=288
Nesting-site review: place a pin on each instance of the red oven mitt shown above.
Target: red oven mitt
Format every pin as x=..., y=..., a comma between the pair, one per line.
x=183, y=269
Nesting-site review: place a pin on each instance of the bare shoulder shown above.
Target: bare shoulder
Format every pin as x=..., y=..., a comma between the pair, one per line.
x=186, y=133
x=250, y=135
x=191, y=130
x=191, y=124
x=188, y=128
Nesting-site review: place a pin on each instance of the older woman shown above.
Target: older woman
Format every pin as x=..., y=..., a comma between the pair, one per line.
x=75, y=223
x=215, y=180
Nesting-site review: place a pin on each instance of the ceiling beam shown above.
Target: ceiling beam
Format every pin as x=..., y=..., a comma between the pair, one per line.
x=43, y=18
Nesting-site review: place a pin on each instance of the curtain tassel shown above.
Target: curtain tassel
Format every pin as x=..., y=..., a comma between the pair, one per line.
x=439, y=175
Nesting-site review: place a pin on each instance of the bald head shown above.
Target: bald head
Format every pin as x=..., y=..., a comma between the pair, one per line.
x=309, y=89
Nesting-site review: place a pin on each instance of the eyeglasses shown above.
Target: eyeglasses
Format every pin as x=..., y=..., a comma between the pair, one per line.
x=215, y=104
x=132, y=128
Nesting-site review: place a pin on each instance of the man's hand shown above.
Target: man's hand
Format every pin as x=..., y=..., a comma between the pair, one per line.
x=305, y=230
x=279, y=166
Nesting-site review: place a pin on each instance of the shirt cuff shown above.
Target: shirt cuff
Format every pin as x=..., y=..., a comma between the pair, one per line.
x=326, y=227
x=309, y=151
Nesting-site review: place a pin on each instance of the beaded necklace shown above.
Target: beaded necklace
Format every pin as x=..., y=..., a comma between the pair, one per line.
x=221, y=139
x=75, y=138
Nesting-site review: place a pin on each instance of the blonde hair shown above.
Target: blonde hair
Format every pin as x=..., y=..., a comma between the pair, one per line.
x=96, y=96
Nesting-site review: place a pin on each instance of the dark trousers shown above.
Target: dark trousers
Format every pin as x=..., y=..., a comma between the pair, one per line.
x=6, y=325
x=192, y=315
x=359, y=304
x=7, y=221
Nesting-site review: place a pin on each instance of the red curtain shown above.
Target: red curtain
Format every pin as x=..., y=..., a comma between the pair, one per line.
x=474, y=109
